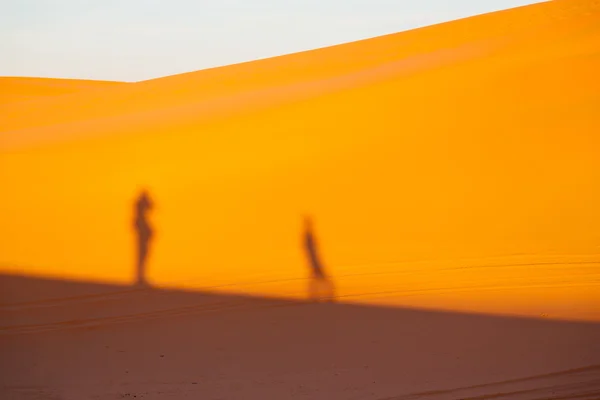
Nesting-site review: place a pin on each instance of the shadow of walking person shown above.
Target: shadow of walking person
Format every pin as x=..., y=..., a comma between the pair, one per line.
x=144, y=232
x=320, y=286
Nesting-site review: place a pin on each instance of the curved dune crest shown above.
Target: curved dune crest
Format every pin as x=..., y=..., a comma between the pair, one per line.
x=521, y=29
x=452, y=167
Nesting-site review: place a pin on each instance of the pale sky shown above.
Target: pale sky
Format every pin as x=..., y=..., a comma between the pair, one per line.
x=132, y=40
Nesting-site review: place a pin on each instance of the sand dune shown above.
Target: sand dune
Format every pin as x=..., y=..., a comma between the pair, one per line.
x=509, y=35
x=76, y=340
x=451, y=167
x=453, y=181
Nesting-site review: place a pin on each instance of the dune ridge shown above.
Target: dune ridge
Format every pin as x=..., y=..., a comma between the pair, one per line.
x=540, y=22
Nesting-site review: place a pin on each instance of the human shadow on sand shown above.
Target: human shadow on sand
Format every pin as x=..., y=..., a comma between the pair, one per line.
x=320, y=284
x=144, y=234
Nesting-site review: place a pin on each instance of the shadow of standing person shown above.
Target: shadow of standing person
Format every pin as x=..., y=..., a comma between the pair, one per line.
x=144, y=232
x=320, y=286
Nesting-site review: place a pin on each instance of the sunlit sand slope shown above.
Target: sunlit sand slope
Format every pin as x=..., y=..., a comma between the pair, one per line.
x=521, y=29
x=14, y=89
x=454, y=166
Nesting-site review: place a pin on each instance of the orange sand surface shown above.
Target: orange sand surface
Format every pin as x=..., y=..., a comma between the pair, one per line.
x=13, y=89
x=454, y=167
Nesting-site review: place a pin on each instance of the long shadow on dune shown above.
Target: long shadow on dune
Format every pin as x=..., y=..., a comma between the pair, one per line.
x=96, y=339
x=144, y=233
x=320, y=284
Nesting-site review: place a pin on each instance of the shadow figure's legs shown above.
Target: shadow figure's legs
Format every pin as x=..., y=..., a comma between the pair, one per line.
x=321, y=289
x=143, y=246
x=329, y=290
x=313, y=289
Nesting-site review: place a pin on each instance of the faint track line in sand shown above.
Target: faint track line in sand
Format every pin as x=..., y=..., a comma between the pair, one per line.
x=587, y=386
x=244, y=303
x=447, y=289
x=241, y=304
x=66, y=300
x=152, y=315
x=572, y=384
x=134, y=291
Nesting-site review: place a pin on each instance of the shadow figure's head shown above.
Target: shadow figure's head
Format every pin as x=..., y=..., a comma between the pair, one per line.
x=143, y=200
x=144, y=194
x=308, y=223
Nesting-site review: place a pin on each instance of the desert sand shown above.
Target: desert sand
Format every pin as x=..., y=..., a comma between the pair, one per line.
x=452, y=176
x=16, y=89
x=77, y=340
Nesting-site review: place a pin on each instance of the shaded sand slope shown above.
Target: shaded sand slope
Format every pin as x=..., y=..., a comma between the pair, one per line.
x=15, y=89
x=78, y=340
x=457, y=161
